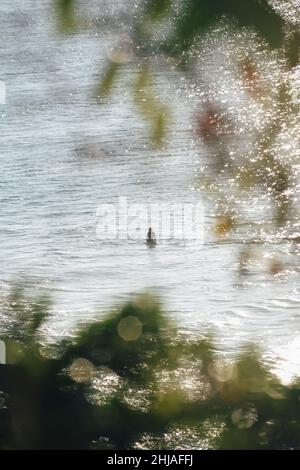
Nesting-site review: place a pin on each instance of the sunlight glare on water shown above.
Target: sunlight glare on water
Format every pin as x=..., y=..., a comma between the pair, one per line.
x=62, y=155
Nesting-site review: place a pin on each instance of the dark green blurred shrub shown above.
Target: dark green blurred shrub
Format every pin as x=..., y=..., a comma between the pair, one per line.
x=130, y=381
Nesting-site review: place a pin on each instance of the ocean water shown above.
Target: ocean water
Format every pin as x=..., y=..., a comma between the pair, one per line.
x=62, y=155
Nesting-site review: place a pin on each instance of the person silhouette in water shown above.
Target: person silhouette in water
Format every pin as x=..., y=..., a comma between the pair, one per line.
x=151, y=240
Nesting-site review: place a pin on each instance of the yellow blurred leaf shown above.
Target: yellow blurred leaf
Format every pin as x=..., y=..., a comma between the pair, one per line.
x=223, y=225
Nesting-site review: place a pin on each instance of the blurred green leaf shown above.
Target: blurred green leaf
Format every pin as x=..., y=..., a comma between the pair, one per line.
x=156, y=9
x=152, y=381
x=108, y=80
x=149, y=105
x=198, y=15
x=66, y=14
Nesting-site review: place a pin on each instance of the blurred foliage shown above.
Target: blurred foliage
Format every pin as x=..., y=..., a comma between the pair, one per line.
x=131, y=381
x=66, y=14
x=184, y=23
x=156, y=9
x=154, y=111
x=144, y=96
x=293, y=48
x=108, y=80
x=197, y=16
x=25, y=318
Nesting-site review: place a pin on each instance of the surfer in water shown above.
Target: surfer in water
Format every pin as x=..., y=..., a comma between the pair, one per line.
x=151, y=240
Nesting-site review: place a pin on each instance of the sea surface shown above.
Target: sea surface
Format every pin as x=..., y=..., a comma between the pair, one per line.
x=62, y=155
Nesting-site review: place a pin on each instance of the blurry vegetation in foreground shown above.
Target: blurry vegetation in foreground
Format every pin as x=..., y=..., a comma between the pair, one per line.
x=130, y=381
x=251, y=130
